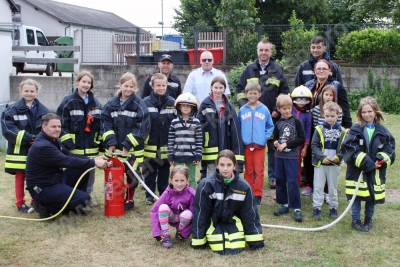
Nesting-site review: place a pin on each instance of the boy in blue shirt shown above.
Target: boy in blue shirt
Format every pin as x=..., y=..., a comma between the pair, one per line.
x=257, y=126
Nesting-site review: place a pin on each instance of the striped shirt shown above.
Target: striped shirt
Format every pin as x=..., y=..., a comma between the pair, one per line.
x=318, y=120
x=185, y=140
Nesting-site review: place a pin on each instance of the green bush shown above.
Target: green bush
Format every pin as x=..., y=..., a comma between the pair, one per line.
x=233, y=79
x=370, y=46
x=387, y=96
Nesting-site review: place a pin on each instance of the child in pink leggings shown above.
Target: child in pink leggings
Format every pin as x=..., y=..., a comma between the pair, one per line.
x=175, y=207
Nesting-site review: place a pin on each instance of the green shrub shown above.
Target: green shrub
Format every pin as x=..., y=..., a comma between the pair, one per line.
x=355, y=96
x=370, y=46
x=233, y=79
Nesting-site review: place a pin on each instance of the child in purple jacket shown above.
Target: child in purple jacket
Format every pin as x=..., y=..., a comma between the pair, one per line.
x=175, y=207
x=301, y=109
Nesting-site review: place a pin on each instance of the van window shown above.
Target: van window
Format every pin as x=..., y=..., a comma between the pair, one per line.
x=30, y=37
x=41, y=40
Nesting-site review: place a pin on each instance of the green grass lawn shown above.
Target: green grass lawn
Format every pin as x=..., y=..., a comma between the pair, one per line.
x=97, y=240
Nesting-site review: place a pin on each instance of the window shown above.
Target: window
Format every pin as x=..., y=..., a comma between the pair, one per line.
x=30, y=37
x=41, y=40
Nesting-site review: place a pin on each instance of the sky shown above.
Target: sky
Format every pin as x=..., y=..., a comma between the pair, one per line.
x=143, y=13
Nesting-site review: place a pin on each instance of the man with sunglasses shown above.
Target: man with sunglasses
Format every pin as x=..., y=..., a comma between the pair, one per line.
x=199, y=80
x=305, y=72
x=272, y=80
x=174, y=88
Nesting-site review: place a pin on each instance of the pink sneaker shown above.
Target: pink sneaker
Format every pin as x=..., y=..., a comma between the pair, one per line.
x=307, y=191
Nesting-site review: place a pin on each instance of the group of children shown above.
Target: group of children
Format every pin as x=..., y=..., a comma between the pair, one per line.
x=213, y=134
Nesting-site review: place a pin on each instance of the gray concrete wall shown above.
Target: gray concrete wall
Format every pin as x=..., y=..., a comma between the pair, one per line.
x=106, y=78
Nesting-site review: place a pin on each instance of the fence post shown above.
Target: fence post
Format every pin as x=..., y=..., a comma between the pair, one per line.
x=196, y=45
x=328, y=39
x=78, y=41
x=137, y=45
x=259, y=32
x=224, y=46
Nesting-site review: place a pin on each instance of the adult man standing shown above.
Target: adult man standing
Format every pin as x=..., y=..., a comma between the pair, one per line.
x=199, y=80
x=272, y=80
x=318, y=51
x=44, y=171
x=174, y=88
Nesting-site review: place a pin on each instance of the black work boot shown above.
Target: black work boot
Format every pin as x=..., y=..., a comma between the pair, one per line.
x=358, y=226
x=367, y=224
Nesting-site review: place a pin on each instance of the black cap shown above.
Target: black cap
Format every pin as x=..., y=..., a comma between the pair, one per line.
x=165, y=57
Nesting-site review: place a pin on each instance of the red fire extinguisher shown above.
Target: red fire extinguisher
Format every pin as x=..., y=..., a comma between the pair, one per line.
x=114, y=188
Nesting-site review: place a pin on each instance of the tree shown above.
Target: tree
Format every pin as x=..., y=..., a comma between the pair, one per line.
x=192, y=13
x=239, y=16
x=279, y=11
x=377, y=10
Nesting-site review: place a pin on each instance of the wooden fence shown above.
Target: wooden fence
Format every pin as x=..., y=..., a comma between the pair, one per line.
x=124, y=45
x=210, y=40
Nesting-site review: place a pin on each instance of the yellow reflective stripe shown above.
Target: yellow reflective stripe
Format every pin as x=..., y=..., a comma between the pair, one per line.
x=21, y=166
x=239, y=157
x=206, y=138
x=65, y=137
x=213, y=149
x=214, y=238
x=235, y=236
x=216, y=247
x=379, y=189
x=150, y=154
x=274, y=81
x=209, y=157
x=16, y=157
x=96, y=138
x=238, y=223
x=240, y=96
x=151, y=148
x=359, y=159
x=15, y=162
x=163, y=149
x=210, y=229
x=18, y=141
x=133, y=140
x=254, y=79
x=107, y=134
x=386, y=157
x=198, y=242
x=254, y=238
x=362, y=190
x=78, y=152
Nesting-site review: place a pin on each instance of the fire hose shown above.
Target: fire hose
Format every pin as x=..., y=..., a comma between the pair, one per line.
x=156, y=197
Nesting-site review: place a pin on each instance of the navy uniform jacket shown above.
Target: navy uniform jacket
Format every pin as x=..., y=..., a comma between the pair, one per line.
x=46, y=160
x=20, y=128
x=272, y=81
x=174, y=88
x=73, y=113
x=218, y=204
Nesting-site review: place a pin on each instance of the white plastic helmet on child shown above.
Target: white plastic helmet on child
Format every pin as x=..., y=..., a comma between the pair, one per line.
x=301, y=95
x=188, y=99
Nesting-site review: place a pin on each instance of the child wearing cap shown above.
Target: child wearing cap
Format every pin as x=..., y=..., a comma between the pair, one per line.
x=185, y=138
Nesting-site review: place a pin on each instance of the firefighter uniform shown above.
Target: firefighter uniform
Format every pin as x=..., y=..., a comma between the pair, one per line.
x=174, y=88
x=74, y=113
x=19, y=127
x=219, y=132
x=162, y=112
x=272, y=81
x=360, y=154
x=232, y=211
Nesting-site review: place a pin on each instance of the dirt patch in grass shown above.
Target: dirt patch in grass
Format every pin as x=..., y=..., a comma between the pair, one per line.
x=393, y=195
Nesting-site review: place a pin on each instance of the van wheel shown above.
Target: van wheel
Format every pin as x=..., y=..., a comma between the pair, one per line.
x=49, y=70
x=40, y=72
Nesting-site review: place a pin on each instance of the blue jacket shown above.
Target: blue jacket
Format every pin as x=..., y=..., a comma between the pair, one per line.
x=256, y=125
x=20, y=128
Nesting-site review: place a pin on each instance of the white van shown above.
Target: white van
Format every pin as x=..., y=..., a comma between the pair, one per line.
x=32, y=36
